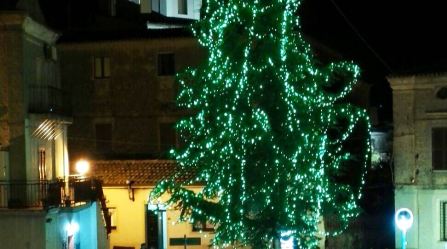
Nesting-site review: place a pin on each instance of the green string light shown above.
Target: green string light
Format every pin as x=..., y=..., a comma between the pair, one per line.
x=269, y=131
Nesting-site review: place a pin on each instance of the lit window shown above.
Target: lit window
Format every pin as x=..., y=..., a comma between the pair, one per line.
x=439, y=148
x=101, y=67
x=166, y=64
x=443, y=219
x=183, y=7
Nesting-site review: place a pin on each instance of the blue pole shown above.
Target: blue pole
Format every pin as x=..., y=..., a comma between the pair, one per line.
x=404, y=239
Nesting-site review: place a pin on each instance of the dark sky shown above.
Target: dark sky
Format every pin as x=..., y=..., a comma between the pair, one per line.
x=402, y=33
x=385, y=37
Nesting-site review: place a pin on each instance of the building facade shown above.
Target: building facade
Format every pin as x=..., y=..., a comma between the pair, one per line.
x=39, y=207
x=420, y=156
x=123, y=94
x=139, y=222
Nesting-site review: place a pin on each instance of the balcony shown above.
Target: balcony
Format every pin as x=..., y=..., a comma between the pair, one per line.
x=17, y=194
x=50, y=194
x=47, y=194
x=48, y=99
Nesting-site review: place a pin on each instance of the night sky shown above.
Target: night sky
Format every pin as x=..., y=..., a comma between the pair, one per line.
x=386, y=37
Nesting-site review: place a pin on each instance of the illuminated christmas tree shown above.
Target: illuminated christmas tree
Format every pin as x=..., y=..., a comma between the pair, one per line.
x=269, y=133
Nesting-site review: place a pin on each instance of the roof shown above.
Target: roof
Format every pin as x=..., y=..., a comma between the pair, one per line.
x=111, y=35
x=141, y=172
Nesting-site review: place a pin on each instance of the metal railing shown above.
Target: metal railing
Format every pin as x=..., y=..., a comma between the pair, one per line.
x=19, y=194
x=47, y=194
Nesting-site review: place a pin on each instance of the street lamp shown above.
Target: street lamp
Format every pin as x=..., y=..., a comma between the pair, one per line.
x=404, y=220
x=286, y=240
x=82, y=167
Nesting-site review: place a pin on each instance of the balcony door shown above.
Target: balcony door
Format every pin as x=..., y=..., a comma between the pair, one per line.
x=42, y=164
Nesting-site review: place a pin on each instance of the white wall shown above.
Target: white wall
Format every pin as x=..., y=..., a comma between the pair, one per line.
x=416, y=110
x=425, y=205
x=169, y=8
x=22, y=229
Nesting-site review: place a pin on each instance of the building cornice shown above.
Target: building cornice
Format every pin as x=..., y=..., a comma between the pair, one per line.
x=39, y=31
x=422, y=81
x=441, y=114
x=11, y=18
x=28, y=25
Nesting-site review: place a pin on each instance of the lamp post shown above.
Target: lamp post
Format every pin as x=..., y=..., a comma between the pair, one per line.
x=404, y=220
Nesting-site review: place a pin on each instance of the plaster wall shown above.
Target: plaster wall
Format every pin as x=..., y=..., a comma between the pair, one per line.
x=130, y=220
x=22, y=229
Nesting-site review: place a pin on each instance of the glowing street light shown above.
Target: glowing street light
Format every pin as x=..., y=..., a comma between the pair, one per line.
x=286, y=240
x=82, y=166
x=404, y=220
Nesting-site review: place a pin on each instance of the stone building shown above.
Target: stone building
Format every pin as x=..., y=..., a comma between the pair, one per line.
x=122, y=88
x=118, y=64
x=420, y=156
x=38, y=207
x=123, y=93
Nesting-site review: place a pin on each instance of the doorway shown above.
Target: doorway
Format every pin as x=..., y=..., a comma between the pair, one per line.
x=156, y=229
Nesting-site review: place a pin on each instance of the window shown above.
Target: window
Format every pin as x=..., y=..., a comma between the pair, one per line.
x=42, y=165
x=202, y=226
x=167, y=137
x=112, y=7
x=101, y=67
x=166, y=64
x=112, y=213
x=443, y=221
x=439, y=148
x=49, y=52
x=103, y=137
x=183, y=7
x=442, y=93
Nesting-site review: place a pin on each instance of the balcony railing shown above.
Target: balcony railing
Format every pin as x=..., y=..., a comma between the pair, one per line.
x=47, y=194
x=48, y=99
x=18, y=194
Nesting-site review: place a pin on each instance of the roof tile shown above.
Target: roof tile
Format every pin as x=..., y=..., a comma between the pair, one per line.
x=141, y=172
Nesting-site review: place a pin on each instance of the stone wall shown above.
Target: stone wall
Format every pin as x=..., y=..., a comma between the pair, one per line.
x=134, y=100
x=418, y=186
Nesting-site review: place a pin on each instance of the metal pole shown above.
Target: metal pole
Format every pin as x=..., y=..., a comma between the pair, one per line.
x=404, y=239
